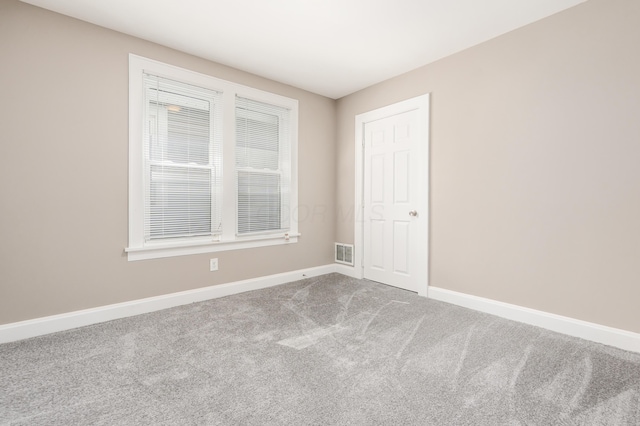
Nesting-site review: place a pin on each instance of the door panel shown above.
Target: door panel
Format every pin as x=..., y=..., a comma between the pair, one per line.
x=401, y=178
x=401, y=247
x=377, y=178
x=376, y=247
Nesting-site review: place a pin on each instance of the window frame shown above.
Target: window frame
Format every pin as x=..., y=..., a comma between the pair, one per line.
x=138, y=248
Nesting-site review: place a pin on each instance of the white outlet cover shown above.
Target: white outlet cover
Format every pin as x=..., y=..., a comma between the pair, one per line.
x=213, y=264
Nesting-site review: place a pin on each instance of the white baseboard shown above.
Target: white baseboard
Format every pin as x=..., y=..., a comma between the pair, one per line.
x=51, y=324
x=589, y=331
x=349, y=271
x=610, y=336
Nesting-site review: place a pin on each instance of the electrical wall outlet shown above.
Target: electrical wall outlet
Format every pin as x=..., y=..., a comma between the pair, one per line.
x=213, y=264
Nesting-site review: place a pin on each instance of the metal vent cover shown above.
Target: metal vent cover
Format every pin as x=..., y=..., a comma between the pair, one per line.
x=344, y=253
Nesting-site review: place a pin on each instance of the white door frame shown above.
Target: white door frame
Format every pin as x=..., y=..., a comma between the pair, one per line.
x=421, y=103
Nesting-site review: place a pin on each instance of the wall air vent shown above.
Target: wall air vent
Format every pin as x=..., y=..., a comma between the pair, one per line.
x=344, y=253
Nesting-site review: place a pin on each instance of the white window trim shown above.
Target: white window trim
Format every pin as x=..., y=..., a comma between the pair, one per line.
x=138, y=249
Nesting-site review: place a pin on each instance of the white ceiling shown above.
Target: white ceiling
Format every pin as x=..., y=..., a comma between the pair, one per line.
x=330, y=47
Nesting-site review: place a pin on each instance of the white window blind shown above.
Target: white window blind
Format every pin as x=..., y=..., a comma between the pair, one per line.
x=263, y=167
x=183, y=159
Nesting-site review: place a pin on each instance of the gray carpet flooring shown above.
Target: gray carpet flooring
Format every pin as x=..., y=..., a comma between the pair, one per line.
x=329, y=350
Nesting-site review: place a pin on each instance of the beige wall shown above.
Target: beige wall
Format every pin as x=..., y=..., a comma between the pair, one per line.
x=535, y=164
x=64, y=165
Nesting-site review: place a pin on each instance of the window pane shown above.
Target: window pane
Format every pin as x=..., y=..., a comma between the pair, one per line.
x=259, y=204
x=179, y=134
x=257, y=140
x=179, y=202
x=188, y=135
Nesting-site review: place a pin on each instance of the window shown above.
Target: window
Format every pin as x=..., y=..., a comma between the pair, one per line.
x=262, y=166
x=212, y=164
x=182, y=160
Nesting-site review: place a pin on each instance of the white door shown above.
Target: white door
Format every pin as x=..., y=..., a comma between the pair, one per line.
x=395, y=196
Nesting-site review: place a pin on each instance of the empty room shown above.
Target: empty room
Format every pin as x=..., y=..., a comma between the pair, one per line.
x=292, y=212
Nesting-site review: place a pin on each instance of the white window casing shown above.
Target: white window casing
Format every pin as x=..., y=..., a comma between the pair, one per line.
x=212, y=164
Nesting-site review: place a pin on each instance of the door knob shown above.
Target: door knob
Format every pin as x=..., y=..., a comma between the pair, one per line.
x=413, y=213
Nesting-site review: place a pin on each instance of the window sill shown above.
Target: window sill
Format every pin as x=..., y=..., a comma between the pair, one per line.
x=160, y=250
